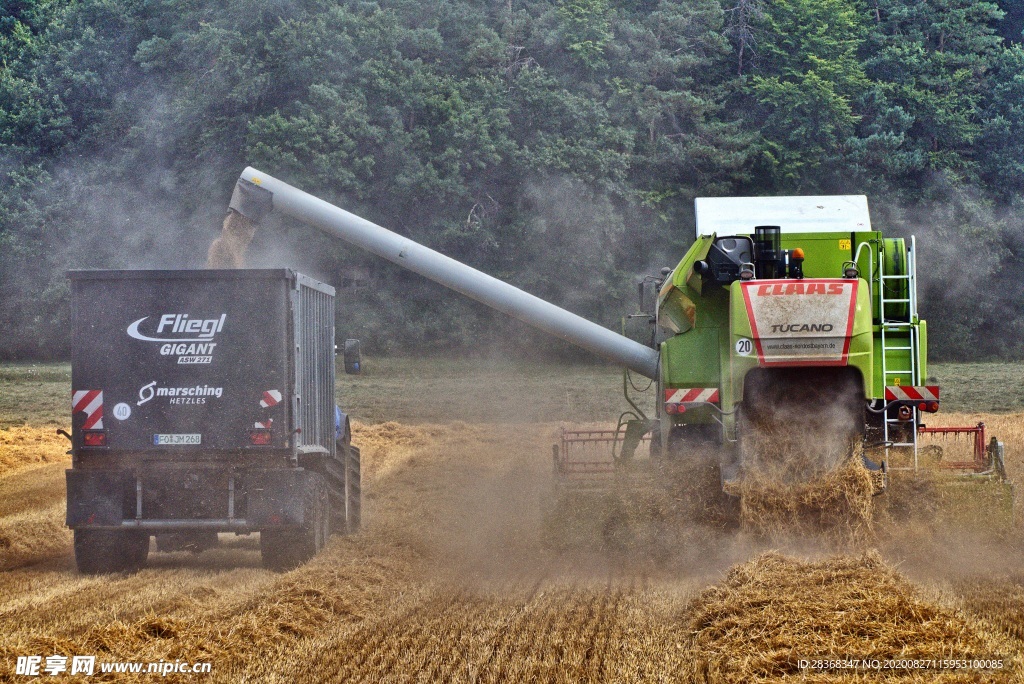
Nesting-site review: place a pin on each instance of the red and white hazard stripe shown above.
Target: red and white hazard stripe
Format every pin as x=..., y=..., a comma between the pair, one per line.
x=91, y=403
x=265, y=425
x=270, y=398
x=900, y=393
x=699, y=395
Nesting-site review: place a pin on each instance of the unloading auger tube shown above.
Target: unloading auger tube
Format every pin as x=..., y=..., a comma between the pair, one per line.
x=256, y=194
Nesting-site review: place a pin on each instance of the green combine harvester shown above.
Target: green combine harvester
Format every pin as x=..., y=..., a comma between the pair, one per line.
x=788, y=315
x=792, y=312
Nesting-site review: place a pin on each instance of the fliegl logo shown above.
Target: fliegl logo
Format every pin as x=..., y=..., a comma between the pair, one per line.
x=190, y=339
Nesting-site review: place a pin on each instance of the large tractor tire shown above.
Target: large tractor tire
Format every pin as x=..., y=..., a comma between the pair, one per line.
x=285, y=549
x=103, y=551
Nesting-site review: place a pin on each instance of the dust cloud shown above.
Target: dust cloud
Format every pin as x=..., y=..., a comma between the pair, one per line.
x=968, y=266
x=473, y=501
x=480, y=502
x=450, y=577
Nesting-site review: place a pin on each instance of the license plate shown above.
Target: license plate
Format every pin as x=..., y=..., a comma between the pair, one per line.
x=177, y=440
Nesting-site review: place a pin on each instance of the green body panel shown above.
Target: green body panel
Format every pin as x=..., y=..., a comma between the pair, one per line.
x=709, y=321
x=862, y=352
x=694, y=359
x=824, y=253
x=897, y=359
x=900, y=358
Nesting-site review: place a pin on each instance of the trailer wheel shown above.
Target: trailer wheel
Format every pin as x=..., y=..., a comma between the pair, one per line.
x=103, y=551
x=353, y=491
x=285, y=549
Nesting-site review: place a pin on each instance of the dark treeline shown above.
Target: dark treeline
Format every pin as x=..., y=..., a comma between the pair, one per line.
x=557, y=144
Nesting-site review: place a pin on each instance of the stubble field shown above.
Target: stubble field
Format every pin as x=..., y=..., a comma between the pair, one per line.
x=449, y=582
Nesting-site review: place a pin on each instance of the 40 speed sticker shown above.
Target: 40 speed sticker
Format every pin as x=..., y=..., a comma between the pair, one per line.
x=177, y=440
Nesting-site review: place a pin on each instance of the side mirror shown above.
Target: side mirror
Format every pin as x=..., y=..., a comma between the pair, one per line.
x=353, y=360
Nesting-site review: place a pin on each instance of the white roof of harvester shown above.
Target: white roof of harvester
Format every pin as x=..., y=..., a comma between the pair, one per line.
x=808, y=214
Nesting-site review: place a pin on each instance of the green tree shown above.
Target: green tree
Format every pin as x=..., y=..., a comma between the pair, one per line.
x=929, y=61
x=1011, y=27
x=1000, y=147
x=586, y=29
x=555, y=143
x=805, y=85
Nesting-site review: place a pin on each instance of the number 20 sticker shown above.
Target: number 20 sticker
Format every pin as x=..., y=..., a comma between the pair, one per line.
x=744, y=346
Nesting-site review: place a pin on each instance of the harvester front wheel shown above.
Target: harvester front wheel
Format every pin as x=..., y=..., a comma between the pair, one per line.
x=285, y=549
x=103, y=551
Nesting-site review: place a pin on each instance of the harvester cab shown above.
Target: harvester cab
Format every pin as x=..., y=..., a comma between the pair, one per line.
x=792, y=315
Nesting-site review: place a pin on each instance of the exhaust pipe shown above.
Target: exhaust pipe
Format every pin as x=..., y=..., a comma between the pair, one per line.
x=408, y=254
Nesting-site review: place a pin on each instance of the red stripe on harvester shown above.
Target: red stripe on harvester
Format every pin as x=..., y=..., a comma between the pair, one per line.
x=912, y=393
x=695, y=395
x=691, y=395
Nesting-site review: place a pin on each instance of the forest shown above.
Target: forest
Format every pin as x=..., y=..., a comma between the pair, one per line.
x=556, y=144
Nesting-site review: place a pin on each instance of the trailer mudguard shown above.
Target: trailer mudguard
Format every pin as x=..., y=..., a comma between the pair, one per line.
x=277, y=498
x=96, y=497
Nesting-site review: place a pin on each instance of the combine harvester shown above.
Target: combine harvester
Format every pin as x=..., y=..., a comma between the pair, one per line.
x=786, y=313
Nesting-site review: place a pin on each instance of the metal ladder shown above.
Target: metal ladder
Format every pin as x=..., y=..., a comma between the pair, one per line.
x=908, y=341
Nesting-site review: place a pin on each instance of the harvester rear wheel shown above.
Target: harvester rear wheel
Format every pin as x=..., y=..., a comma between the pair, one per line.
x=103, y=551
x=285, y=549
